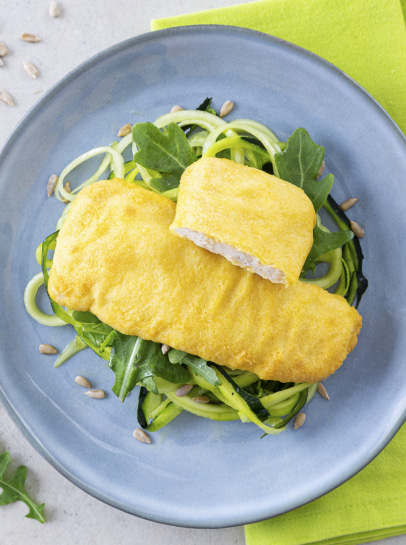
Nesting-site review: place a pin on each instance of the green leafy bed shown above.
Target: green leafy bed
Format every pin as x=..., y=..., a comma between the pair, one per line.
x=160, y=153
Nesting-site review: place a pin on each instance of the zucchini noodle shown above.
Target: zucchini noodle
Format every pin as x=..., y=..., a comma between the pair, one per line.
x=30, y=295
x=115, y=160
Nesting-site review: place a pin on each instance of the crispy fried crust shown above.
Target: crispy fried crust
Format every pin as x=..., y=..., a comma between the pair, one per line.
x=117, y=257
x=255, y=220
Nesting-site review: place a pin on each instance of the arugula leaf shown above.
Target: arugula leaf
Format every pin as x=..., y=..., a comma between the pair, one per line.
x=135, y=360
x=205, y=106
x=176, y=356
x=165, y=184
x=198, y=365
x=72, y=348
x=324, y=241
x=85, y=317
x=300, y=163
x=169, y=153
x=13, y=489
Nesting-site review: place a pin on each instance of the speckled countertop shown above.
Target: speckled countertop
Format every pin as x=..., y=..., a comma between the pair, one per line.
x=83, y=29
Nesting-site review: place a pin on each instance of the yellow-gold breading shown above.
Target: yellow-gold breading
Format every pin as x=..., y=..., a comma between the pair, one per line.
x=255, y=220
x=117, y=257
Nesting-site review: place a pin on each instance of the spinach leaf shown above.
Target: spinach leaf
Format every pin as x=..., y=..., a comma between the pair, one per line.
x=300, y=163
x=135, y=360
x=14, y=489
x=169, y=153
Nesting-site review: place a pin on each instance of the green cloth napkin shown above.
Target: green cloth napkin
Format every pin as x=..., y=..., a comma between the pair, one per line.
x=366, y=39
x=369, y=507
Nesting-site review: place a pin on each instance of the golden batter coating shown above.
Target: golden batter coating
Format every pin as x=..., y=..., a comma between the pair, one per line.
x=117, y=257
x=255, y=220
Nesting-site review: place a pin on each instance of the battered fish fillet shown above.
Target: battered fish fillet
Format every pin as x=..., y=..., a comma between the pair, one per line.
x=117, y=257
x=253, y=219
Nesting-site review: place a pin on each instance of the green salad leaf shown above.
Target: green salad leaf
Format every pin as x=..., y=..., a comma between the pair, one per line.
x=199, y=365
x=135, y=360
x=166, y=153
x=165, y=184
x=300, y=163
x=323, y=242
x=14, y=489
x=205, y=106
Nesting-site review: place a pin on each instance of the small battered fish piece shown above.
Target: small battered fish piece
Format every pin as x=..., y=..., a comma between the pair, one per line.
x=253, y=219
x=116, y=257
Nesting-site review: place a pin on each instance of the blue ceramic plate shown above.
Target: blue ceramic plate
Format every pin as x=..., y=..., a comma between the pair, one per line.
x=200, y=473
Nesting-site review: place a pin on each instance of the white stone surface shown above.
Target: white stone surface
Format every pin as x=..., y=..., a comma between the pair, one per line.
x=84, y=28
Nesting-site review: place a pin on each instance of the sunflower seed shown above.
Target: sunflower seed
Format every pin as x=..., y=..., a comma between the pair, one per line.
x=141, y=436
x=3, y=50
x=30, y=69
x=322, y=391
x=124, y=130
x=349, y=203
x=321, y=170
x=96, y=394
x=183, y=391
x=357, y=229
x=6, y=98
x=47, y=349
x=201, y=399
x=52, y=181
x=176, y=108
x=299, y=420
x=226, y=108
x=82, y=381
x=165, y=348
x=30, y=38
x=54, y=10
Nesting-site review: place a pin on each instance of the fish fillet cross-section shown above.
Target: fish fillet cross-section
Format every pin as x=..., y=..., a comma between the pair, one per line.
x=253, y=219
x=117, y=257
